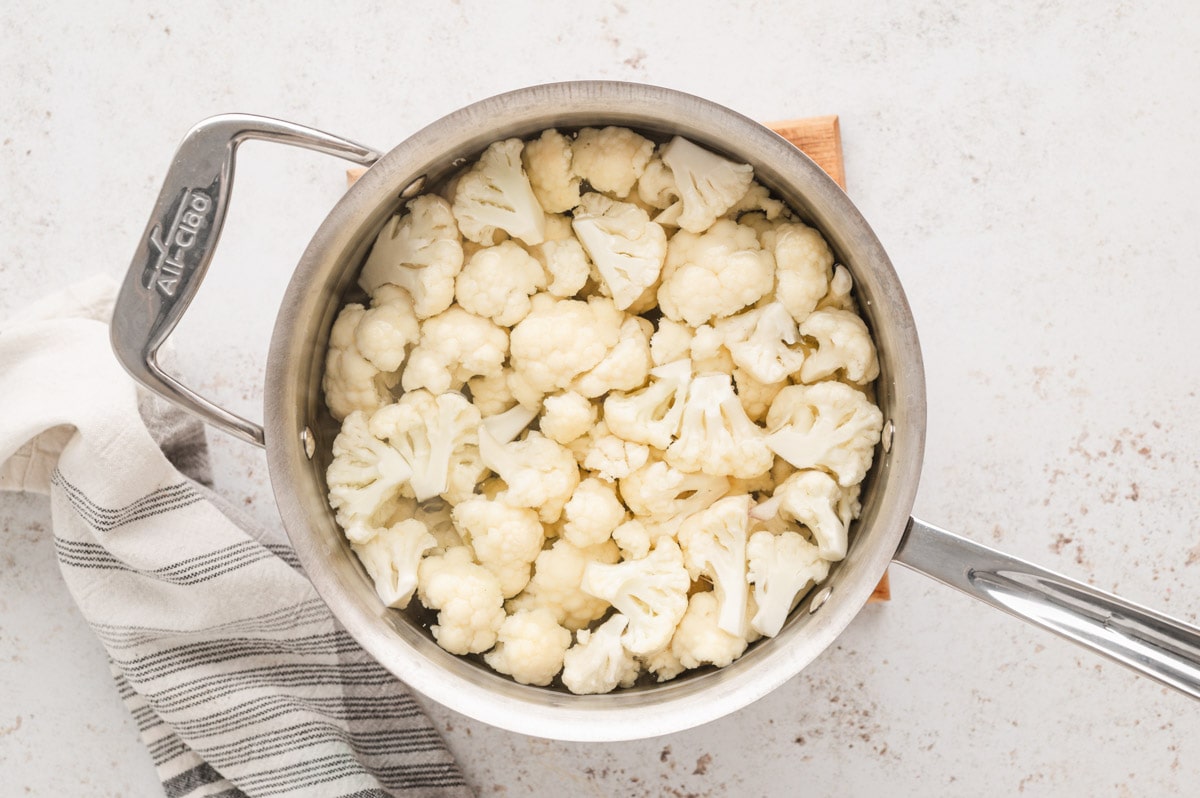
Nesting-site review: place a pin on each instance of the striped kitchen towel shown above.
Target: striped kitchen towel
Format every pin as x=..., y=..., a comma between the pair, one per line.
x=240, y=680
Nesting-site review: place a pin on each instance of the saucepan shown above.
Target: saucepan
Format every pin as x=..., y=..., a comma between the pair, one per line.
x=297, y=431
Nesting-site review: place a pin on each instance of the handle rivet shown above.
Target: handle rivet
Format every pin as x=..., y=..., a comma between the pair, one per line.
x=889, y=429
x=413, y=188
x=310, y=443
x=819, y=599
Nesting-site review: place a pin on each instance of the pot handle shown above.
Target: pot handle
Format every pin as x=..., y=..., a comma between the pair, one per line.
x=178, y=245
x=1153, y=644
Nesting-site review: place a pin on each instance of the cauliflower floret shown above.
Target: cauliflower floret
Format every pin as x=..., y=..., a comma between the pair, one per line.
x=814, y=499
x=611, y=159
x=661, y=496
x=530, y=647
x=803, y=266
x=455, y=346
x=567, y=416
x=651, y=593
x=625, y=367
x=708, y=184
x=664, y=664
x=656, y=187
x=714, y=274
x=607, y=455
x=755, y=396
x=351, y=381
x=496, y=283
x=466, y=472
x=431, y=434
x=828, y=425
x=651, y=415
x=839, y=296
x=506, y=427
x=592, y=514
x=467, y=597
x=539, y=473
x=561, y=339
x=780, y=568
x=670, y=342
x=701, y=639
x=421, y=252
x=495, y=195
x=566, y=265
x=391, y=558
x=708, y=351
x=387, y=328
x=598, y=662
x=557, y=572
x=626, y=247
x=633, y=539
x=365, y=478
x=506, y=540
x=547, y=162
x=491, y=394
x=759, y=341
x=714, y=545
x=843, y=344
x=757, y=199
x=715, y=436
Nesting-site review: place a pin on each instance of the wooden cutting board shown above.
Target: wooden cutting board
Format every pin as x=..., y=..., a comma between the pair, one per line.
x=818, y=137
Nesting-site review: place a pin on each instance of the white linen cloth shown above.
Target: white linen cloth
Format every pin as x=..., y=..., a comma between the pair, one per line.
x=240, y=680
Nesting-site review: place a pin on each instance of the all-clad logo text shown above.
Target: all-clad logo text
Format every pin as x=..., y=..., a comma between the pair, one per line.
x=169, y=262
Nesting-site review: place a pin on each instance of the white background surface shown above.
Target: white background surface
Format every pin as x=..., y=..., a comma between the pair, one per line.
x=1031, y=169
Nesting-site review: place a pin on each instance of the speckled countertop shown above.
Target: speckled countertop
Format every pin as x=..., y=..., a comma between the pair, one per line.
x=1031, y=169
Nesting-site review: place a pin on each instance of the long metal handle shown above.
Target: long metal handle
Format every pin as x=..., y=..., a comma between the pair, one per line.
x=1151, y=643
x=178, y=245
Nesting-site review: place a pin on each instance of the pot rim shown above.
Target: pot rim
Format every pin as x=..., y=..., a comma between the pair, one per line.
x=455, y=682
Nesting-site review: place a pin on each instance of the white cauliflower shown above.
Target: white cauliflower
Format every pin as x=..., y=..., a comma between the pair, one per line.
x=610, y=159
x=421, y=252
x=701, y=639
x=633, y=539
x=827, y=425
x=708, y=184
x=547, y=161
x=598, y=662
x=713, y=542
x=430, y=433
x=755, y=396
x=592, y=513
x=561, y=339
x=506, y=427
x=455, y=346
x=781, y=567
x=803, y=266
x=496, y=283
x=627, y=248
x=467, y=597
x=506, y=540
x=670, y=342
x=495, y=195
x=664, y=664
x=715, y=436
x=708, y=352
x=607, y=455
x=760, y=340
x=625, y=367
x=566, y=265
x=557, y=572
x=538, y=472
x=365, y=477
x=662, y=496
x=758, y=199
x=351, y=381
x=491, y=394
x=651, y=593
x=567, y=416
x=843, y=345
x=814, y=499
x=653, y=414
x=391, y=559
x=656, y=187
x=839, y=296
x=714, y=273
x=530, y=647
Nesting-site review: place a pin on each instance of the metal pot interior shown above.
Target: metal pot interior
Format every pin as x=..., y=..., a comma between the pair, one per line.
x=325, y=280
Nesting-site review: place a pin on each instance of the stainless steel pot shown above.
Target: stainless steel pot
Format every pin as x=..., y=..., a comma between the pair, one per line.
x=297, y=431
